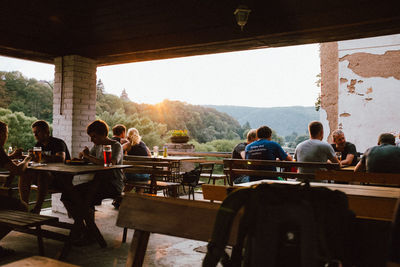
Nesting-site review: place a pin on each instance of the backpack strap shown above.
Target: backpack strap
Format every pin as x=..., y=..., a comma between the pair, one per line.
x=223, y=223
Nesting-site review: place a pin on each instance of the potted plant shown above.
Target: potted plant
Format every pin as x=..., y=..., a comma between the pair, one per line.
x=179, y=136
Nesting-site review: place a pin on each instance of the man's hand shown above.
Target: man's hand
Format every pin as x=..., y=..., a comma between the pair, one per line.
x=85, y=152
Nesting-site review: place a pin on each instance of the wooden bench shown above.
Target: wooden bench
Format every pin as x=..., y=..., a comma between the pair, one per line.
x=39, y=261
x=5, y=184
x=392, y=179
x=31, y=223
x=169, y=216
x=236, y=167
x=195, y=220
x=371, y=202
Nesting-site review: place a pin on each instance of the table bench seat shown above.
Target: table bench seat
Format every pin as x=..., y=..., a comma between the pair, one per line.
x=39, y=261
x=31, y=223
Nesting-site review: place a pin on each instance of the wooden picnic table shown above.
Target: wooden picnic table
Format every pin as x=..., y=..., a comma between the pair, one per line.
x=161, y=158
x=67, y=172
x=39, y=261
x=372, y=202
x=347, y=168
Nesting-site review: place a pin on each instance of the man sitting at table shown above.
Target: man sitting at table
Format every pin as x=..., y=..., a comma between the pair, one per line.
x=265, y=149
x=239, y=150
x=7, y=202
x=106, y=184
x=348, y=150
x=240, y=153
x=385, y=157
x=314, y=149
x=53, y=150
x=119, y=133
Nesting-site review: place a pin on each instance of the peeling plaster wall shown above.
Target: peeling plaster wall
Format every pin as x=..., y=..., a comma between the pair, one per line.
x=329, y=88
x=368, y=89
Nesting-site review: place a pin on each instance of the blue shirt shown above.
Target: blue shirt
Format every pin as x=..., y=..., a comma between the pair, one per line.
x=265, y=150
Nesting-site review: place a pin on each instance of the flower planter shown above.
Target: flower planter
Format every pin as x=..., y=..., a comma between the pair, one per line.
x=179, y=139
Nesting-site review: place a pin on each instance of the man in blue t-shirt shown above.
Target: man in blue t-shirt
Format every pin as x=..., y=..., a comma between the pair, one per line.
x=265, y=149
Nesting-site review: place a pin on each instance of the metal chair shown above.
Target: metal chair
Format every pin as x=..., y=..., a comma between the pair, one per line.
x=204, y=168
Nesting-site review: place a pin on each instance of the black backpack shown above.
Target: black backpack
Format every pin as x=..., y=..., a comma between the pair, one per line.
x=284, y=225
x=191, y=178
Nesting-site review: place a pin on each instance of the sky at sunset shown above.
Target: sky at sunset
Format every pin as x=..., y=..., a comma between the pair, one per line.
x=268, y=77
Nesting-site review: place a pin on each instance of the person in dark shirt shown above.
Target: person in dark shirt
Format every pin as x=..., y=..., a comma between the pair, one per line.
x=119, y=134
x=347, y=149
x=383, y=158
x=238, y=152
x=136, y=147
x=5, y=201
x=53, y=150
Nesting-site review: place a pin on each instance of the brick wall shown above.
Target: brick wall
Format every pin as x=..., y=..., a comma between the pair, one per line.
x=74, y=100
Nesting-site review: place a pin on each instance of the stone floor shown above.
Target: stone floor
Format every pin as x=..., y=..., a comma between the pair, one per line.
x=162, y=250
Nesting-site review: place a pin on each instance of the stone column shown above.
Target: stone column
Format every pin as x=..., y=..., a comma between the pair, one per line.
x=74, y=100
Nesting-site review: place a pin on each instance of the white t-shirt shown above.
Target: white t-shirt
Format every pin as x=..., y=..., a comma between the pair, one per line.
x=117, y=155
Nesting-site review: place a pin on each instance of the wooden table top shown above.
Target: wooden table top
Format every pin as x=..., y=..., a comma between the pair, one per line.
x=74, y=169
x=178, y=158
x=355, y=190
x=348, y=168
x=39, y=261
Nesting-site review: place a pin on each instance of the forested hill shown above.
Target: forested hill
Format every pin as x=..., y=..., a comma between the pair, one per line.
x=284, y=120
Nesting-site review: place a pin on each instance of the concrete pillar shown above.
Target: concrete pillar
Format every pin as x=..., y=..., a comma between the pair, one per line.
x=74, y=100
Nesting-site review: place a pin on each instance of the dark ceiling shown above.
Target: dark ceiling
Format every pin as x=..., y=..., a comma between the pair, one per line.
x=120, y=31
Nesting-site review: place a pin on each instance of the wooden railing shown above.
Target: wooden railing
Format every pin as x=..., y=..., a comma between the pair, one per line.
x=236, y=167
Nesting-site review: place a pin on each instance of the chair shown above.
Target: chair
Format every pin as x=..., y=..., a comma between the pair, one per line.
x=204, y=168
x=6, y=180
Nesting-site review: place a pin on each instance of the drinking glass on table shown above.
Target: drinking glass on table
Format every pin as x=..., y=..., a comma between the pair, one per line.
x=107, y=155
x=37, y=154
x=155, y=151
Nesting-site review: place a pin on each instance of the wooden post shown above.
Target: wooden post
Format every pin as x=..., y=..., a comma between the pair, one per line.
x=138, y=248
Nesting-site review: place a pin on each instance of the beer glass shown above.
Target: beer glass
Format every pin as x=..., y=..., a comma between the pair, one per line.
x=37, y=153
x=107, y=155
x=155, y=151
x=339, y=155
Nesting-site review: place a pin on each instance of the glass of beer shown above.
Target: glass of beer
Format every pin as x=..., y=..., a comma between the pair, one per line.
x=37, y=154
x=155, y=151
x=107, y=155
x=339, y=155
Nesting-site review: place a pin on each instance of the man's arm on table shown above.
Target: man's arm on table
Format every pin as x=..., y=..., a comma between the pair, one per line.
x=348, y=160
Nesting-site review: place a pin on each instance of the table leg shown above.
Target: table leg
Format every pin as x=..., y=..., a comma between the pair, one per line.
x=138, y=248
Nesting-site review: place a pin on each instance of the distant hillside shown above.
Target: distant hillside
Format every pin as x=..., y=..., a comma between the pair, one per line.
x=284, y=120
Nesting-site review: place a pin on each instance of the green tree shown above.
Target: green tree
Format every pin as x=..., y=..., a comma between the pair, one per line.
x=19, y=129
x=152, y=133
x=29, y=96
x=300, y=139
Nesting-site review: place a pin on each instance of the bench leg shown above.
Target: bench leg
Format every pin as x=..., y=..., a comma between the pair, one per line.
x=40, y=240
x=138, y=249
x=124, y=233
